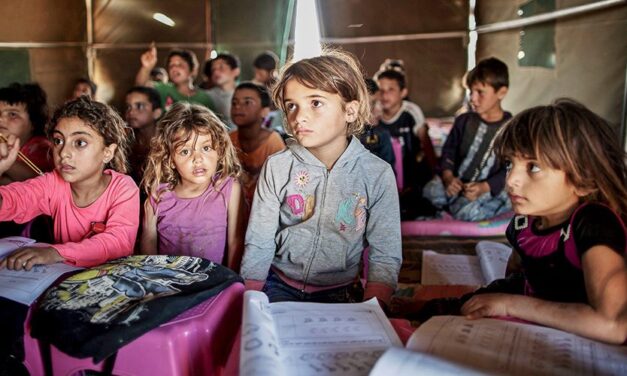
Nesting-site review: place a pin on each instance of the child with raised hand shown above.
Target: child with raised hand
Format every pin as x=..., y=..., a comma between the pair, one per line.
x=194, y=198
x=253, y=142
x=566, y=179
x=326, y=198
x=95, y=207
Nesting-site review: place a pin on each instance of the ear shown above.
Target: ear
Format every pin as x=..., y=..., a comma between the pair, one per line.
x=236, y=72
x=404, y=92
x=109, y=153
x=583, y=192
x=502, y=92
x=351, y=111
x=156, y=113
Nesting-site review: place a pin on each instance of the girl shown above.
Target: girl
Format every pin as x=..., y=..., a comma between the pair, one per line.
x=195, y=199
x=94, y=206
x=319, y=203
x=566, y=179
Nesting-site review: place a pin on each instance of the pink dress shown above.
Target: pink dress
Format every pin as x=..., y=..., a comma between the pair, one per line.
x=193, y=226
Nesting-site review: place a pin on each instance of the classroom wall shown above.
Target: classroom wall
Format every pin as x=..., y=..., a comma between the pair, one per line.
x=590, y=56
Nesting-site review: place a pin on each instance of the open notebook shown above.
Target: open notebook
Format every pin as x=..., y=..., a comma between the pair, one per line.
x=489, y=264
x=291, y=338
x=25, y=286
x=452, y=345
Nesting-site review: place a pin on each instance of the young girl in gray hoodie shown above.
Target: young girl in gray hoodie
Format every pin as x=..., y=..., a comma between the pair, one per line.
x=325, y=199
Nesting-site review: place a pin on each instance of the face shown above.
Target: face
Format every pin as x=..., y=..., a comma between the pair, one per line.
x=179, y=71
x=262, y=76
x=539, y=190
x=196, y=161
x=246, y=108
x=317, y=118
x=82, y=88
x=79, y=151
x=139, y=112
x=391, y=94
x=484, y=99
x=14, y=120
x=221, y=72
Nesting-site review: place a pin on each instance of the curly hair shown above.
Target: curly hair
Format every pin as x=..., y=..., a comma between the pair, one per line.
x=190, y=119
x=336, y=72
x=104, y=120
x=569, y=137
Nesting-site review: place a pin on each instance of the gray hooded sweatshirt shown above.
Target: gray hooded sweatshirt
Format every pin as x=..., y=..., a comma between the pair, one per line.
x=312, y=224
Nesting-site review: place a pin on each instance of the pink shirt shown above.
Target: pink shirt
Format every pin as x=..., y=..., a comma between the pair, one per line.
x=117, y=207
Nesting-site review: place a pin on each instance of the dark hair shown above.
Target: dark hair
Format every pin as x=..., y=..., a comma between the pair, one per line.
x=371, y=85
x=101, y=118
x=490, y=71
x=569, y=137
x=230, y=59
x=266, y=60
x=35, y=100
x=264, y=95
x=187, y=55
x=392, y=74
x=92, y=85
x=152, y=94
x=335, y=71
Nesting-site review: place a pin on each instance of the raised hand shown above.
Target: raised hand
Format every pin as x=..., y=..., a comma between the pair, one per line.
x=9, y=147
x=149, y=58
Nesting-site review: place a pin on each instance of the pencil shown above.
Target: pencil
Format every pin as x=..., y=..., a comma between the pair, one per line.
x=28, y=162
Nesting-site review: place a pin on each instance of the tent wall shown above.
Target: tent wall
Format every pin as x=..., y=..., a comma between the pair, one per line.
x=590, y=58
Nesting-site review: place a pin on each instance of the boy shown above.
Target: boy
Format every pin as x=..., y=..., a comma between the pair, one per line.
x=84, y=86
x=406, y=124
x=265, y=68
x=254, y=144
x=375, y=138
x=182, y=67
x=143, y=109
x=224, y=70
x=471, y=181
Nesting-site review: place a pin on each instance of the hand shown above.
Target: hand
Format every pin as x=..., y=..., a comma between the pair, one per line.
x=149, y=58
x=27, y=257
x=453, y=186
x=8, y=151
x=472, y=191
x=486, y=305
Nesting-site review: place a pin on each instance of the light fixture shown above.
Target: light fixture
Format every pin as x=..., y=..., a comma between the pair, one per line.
x=164, y=19
x=307, y=31
x=213, y=54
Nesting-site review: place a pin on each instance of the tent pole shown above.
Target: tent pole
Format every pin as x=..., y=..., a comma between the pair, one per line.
x=89, y=51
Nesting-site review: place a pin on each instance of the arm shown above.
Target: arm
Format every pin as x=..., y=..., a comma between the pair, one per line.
x=452, y=184
x=236, y=227
x=149, y=238
x=260, y=245
x=149, y=61
x=383, y=233
x=118, y=239
x=604, y=319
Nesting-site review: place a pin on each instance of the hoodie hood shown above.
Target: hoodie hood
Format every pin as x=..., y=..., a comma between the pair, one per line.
x=354, y=150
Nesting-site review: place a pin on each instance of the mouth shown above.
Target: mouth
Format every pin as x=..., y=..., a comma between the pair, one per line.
x=66, y=168
x=199, y=171
x=516, y=198
x=303, y=131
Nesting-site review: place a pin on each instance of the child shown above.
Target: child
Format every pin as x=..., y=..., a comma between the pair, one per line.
x=223, y=70
x=265, y=66
x=406, y=124
x=182, y=67
x=94, y=206
x=84, y=86
x=471, y=181
x=566, y=179
x=194, y=197
x=322, y=201
x=143, y=109
x=24, y=114
x=375, y=138
x=254, y=144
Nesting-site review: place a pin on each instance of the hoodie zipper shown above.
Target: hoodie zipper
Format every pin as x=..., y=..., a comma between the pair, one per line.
x=315, y=245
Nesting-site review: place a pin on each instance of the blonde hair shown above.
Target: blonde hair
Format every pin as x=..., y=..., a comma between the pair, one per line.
x=104, y=120
x=569, y=137
x=190, y=119
x=336, y=72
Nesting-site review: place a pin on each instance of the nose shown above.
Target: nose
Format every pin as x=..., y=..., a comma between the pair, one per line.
x=301, y=116
x=513, y=179
x=64, y=151
x=197, y=156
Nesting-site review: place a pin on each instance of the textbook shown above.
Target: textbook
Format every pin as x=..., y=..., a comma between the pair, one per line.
x=25, y=286
x=452, y=345
x=489, y=264
x=294, y=338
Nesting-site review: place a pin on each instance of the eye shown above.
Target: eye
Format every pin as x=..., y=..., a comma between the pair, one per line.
x=80, y=143
x=184, y=152
x=508, y=164
x=290, y=107
x=206, y=148
x=316, y=103
x=57, y=141
x=13, y=115
x=534, y=168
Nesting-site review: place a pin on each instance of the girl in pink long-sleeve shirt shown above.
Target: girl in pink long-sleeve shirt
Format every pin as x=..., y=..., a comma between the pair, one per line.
x=95, y=207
